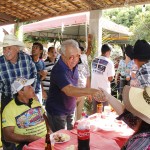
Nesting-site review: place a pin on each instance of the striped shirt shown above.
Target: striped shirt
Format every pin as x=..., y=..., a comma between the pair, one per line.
x=139, y=141
x=24, y=67
x=48, y=66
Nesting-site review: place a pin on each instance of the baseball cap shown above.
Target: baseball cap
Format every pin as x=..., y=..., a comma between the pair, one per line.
x=19, y=83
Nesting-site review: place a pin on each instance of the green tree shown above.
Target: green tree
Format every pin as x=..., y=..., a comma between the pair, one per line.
x=124, y=16
x=141, y=27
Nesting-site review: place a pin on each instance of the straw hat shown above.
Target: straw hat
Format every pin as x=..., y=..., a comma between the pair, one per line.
x=137, y=101
x=10, y=40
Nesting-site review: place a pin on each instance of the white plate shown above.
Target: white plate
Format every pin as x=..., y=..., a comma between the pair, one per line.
x=64, y=137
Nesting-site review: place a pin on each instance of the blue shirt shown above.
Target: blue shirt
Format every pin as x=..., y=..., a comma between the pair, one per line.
x=24, y=67
x=124, y=69
x=39, y=66
x=58, y=103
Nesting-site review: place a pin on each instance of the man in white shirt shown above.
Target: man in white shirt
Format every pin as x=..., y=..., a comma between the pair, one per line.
x=102, y=72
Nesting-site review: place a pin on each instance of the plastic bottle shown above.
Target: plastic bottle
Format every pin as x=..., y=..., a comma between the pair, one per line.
x=83, y=132
x=48, y=142
x=83, y=115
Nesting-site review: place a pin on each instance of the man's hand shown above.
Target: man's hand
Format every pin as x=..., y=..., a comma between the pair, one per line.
x=10, y=136
x=44, y=95
x=43, y=74
x=99, y=96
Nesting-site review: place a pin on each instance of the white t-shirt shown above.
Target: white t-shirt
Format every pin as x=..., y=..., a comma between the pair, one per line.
x=102, y=68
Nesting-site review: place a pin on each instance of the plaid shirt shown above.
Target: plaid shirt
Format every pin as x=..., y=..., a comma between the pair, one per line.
x=24, y=67
x=139, y=141
x=143, y=75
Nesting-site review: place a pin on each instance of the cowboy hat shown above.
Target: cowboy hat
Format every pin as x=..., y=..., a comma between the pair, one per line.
x=137, y=101
x=10, y=40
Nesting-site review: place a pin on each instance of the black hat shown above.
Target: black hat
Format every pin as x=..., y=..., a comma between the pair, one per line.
x=129, y=51
x=141, y=50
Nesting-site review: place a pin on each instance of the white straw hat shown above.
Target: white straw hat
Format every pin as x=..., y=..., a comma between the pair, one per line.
x=10, y=40
x=19, y=83
x=137, y=101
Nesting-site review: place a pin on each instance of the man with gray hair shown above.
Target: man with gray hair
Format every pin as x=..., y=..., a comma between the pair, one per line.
x=14, y=63
x=61, y=102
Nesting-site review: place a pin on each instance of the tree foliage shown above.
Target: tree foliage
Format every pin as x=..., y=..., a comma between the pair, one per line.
x=124, y=16
x=141, y=27
x=136, y=18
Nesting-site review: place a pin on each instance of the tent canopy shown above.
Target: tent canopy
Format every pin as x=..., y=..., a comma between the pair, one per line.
x=73, y=26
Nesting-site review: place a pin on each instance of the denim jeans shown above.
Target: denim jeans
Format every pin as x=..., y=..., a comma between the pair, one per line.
x=61, y=122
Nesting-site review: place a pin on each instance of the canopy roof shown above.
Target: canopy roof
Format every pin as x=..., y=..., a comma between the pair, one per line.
x=12, y=11
x=71, y=26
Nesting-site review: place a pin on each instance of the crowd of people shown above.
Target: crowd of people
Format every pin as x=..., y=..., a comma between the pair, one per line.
x=43, y=96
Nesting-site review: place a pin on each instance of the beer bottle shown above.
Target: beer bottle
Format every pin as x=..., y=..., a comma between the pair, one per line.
x=48, y=142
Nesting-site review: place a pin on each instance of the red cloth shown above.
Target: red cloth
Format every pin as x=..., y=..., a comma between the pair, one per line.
x=97, y=142
x=99, y=139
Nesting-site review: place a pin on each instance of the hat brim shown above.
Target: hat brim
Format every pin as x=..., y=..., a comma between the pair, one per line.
x=29, y=82
x=135, y=103
x=18, y=43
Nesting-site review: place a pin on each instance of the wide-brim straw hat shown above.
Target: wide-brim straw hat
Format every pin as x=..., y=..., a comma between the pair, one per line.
x=11, y=40
x=137, y=101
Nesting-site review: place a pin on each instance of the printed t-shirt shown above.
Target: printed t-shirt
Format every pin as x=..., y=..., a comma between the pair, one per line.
x=26, y=120
x=102, y=68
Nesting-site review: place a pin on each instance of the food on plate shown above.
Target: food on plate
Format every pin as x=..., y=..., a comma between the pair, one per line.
x=61, y=137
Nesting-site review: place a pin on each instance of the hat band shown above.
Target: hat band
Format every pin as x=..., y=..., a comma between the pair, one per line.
x=146, y=96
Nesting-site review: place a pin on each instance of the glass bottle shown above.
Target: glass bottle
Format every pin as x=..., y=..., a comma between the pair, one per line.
x=48, y=142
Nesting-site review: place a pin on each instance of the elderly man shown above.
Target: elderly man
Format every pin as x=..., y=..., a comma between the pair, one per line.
x=13, y=63
x=27, y=121
x=61, y=102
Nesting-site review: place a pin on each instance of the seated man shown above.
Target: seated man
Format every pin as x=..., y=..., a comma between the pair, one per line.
x=23, y=119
